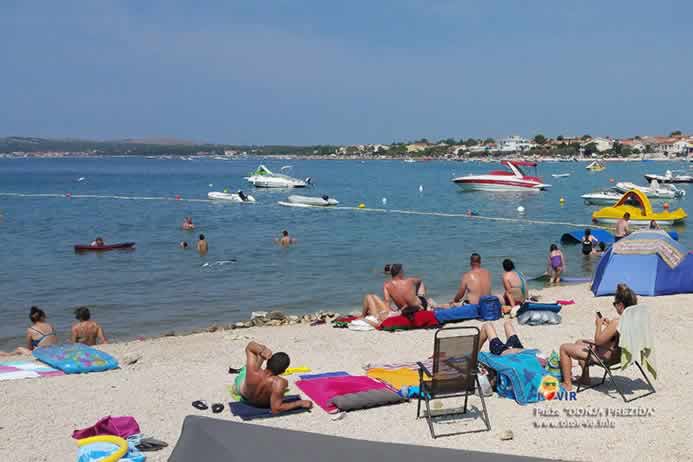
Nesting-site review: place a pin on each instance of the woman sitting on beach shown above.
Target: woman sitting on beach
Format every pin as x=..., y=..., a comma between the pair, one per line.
x=39, y=334
x=85, y=330
x=606, y=337
x=514, y=284
x=556, y=264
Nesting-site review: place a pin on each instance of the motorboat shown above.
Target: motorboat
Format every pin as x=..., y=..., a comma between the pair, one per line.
x=669, y=177
x=239, y=197
x=653, y=191
x=560, y=175
x=323, y=201
x=637, y=204
x=596, y=166
x=601, y=198
x=499, y=180
x=263, y=177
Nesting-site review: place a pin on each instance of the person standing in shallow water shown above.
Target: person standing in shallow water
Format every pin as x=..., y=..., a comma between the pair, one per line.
x=285, y=240
x=202, y=247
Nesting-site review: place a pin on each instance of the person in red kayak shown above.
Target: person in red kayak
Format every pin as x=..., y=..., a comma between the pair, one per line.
x=98, y=242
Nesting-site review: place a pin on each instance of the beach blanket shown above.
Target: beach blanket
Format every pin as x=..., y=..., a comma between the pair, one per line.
x=519, y=375
x=14, y=370
x=457, y=313
x=670, y=252
x=322, y=391
x=396, y=378
x=247, y=411
x=323, y=375
x=421, y=320
x=75, y=358
x=402, y=364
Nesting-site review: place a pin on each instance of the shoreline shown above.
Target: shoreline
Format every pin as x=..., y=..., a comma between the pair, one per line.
x=171, y=372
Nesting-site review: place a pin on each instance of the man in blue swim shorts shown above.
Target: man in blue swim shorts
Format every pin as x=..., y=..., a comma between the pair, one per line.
x=264, y=387
x=495, y=345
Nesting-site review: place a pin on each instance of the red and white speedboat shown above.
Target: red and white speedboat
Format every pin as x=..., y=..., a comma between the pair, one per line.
x=502, y=180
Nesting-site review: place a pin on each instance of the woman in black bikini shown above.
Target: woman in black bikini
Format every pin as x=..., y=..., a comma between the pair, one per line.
x=39, y=334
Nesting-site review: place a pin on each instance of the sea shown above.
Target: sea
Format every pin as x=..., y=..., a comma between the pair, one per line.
x=339, y=254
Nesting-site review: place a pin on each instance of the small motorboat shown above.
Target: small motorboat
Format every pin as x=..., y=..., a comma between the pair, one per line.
x=308, y=201
x=263, y=177
x=104, y=248
x=669, y=177
x=653, y=191
x=502, y=181
x=239, y=197
x=638, y=205
x=596, y=166
x=560, y=175
x=601, y=198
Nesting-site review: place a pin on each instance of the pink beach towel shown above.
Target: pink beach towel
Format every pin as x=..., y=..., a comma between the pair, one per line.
x=322, y=391
x=124, y=427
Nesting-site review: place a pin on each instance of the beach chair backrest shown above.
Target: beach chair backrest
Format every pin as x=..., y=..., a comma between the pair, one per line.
x=454, y=359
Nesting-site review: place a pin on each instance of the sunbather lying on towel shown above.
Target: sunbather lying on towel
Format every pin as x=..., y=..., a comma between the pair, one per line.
x=263, y=387
x=406, y=294
x=495, y=345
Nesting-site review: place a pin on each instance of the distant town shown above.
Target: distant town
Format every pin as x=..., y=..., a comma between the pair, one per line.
x=538, y=147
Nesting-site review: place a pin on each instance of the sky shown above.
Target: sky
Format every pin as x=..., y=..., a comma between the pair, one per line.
x=312, y=72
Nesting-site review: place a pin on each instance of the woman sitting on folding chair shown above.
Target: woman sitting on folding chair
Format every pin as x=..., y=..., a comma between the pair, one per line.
x=606, y=339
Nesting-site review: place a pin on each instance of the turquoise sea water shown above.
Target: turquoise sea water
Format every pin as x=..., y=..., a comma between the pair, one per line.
x=339, y=255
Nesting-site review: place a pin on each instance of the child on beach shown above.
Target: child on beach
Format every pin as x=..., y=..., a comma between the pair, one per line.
x=40, y=333
x=556, y=264
x=85, y=330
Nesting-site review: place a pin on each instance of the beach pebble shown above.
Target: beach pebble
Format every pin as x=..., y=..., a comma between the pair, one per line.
x=507, y=435
x=131, y=358
x=275, y=322
x=276, y=315
x=258, y=322
x=294, y=318
x=258, y=314
x=213, y=328
x=170, y=333
x=240, y=325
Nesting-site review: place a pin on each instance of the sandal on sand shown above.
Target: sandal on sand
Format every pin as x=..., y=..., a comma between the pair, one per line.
x=151, y=444
x=217, y=408
x=233, y=370
x=201, y=405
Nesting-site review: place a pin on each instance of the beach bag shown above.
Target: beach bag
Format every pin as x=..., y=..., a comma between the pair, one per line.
x=456, y=314
x=489, y=308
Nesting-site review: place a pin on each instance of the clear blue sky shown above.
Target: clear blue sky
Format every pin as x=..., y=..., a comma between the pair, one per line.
x=304, y=72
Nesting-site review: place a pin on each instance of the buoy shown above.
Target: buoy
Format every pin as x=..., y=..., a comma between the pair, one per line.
x=611, y=180
x=177, y=197
x=562, y=200
x=384, y=201
x=211, y=185
x=520, y=209
x=420, y=188
x=362, y=205
x=666, y=206
x=226, y=190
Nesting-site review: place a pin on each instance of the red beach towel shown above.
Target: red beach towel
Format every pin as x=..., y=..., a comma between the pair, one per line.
x=422, y=319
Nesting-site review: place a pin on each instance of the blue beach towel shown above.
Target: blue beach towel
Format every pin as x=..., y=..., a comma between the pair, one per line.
x=247, y=411
x=323, y=375
x=519, y=375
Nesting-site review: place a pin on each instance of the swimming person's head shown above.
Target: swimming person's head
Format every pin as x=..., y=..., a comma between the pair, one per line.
x=602, y=246
x=395, y=269
x=475, y=259
x=36, y=314
x=508, y=265
x=202, y=237
x=82, y=313
x=553, y=247
x=588, y=232
x=285, y=233
x=278, y=363
x=626, y=216
x=184, y=244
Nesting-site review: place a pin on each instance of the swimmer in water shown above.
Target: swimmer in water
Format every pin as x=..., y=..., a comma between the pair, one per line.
x=188, y=223
x=285, y=240
x=98, y=242
x=202, y=247
x=184, y=244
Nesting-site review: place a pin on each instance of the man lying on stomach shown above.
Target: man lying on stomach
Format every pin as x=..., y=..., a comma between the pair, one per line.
x=263, y=387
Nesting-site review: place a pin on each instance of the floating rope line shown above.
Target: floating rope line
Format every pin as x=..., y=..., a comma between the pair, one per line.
x=343, y=208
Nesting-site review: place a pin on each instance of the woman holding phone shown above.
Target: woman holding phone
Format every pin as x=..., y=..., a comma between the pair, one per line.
x=605, y=338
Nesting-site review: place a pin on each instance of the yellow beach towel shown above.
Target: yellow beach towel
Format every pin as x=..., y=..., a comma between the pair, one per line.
x=397, y=378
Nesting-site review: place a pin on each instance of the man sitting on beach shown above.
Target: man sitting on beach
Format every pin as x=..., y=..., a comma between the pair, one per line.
x=407, y=294
x=475, y=283
x=264, y=387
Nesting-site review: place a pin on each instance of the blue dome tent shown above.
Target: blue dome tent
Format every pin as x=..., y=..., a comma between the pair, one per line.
x=650, y=262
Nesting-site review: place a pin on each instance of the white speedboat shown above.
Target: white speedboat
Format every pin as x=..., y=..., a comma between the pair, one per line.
x=601, y=198
x=263, y=177
x=499, y=180
x=324, y=201
x=239, y=197
x=669, y=177
x=560, y=175
x=653, y=191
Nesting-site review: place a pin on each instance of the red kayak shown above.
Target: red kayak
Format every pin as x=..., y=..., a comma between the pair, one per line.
x=103, y=248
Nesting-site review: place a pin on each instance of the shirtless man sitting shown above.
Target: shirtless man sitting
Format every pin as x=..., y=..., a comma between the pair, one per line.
x=407, y=294
x=475, y=283
x=265, y=387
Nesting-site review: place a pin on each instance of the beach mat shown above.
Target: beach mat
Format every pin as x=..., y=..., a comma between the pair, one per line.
x=247, y=411
x=323, y=375
x=214, y=440
x=321, y=391
x=15, y=370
